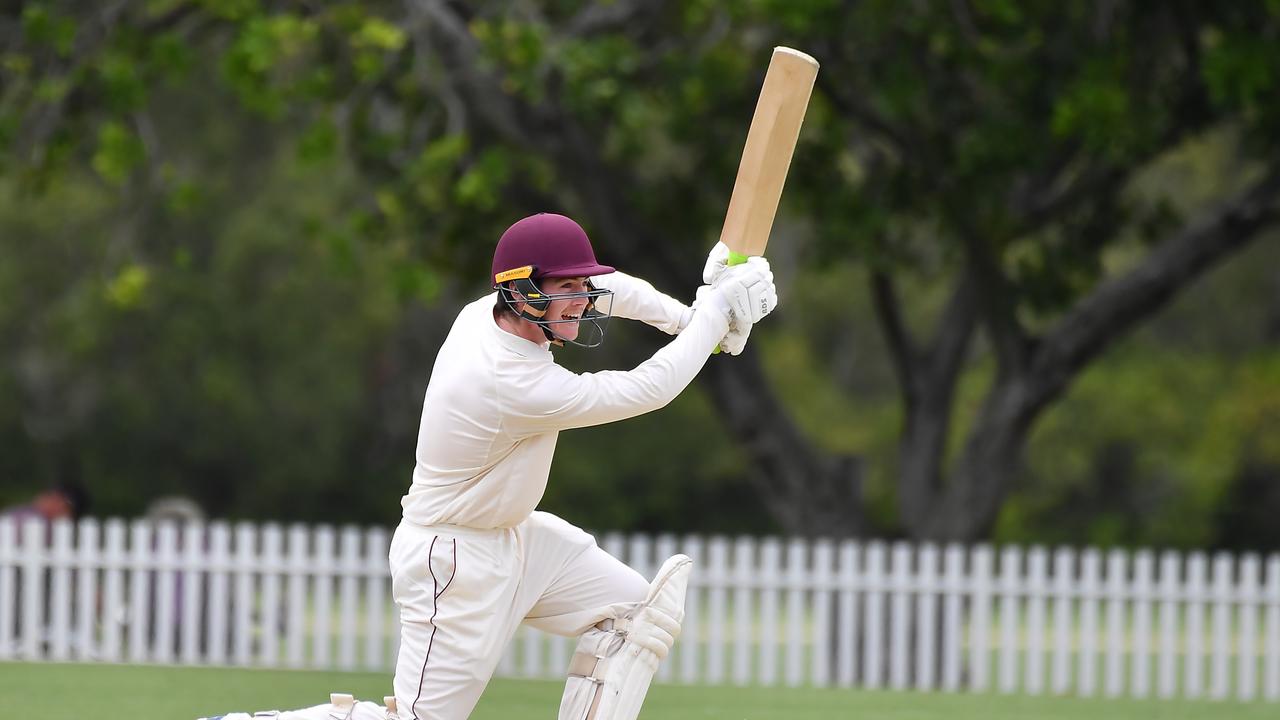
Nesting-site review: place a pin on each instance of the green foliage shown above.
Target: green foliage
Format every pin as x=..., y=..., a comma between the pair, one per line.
x=517, y=48
x=119, y=152
x=253, y=219
x=1104, y=477
x=44, y=26
x=1240, y=70
x=128, y=289
x=266, y=51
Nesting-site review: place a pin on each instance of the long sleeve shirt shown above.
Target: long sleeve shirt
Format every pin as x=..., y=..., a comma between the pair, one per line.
x=496, y=403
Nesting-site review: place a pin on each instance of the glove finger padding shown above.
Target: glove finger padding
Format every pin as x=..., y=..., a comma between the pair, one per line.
x=717, y=261
x=736, y=340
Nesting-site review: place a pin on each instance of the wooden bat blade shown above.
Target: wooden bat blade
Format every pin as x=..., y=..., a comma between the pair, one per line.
x=766, y=156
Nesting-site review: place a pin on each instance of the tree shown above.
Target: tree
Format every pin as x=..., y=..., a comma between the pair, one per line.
x=994, y=149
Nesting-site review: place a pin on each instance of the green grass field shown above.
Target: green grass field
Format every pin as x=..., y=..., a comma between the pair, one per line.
x=73, y=692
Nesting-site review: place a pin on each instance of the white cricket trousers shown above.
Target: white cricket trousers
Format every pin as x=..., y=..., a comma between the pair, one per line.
x=463, y=592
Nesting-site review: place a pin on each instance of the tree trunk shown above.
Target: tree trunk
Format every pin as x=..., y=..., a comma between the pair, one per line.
x=809, y=492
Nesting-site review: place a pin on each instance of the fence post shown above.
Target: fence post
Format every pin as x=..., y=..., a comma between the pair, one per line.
x=1010, y=575
x=88, y=540
x=928, y=579
x=242, y=604
x=980, y=620
x=139, y=588
x=60, y=595
x=952, y=627
x=322, y=578
x=1247, y=662
x=376, y=571
x=1222, y=591
x=1037, y=588
x=349, y=567
x=270, y=565
x=1064, y=589
x=1272, y=662
x=219, y=566
x=872, y=663
x=8, y=561
x=770, y=576
x=847, y=620
x=30, y=627
x=823, y=638
x=717, y=613
x=900, y=616
x=1195, y=625
x=1171, y=594
x=194, y=564
x=798, y=575
x=743, y=571
x=165, y=591
x=1142, y=567
x=1117, y=582
x=296, y=592
x=113, y=593
x=1091, y=588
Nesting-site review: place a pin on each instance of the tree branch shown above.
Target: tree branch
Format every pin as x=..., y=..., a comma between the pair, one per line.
x=928, y=418
x=995, y=300
x=810, y=493
x=498, y=109
x=954, y=332
x=850, y=105
x=902, y=350
x=609, y=17
x=1116, y=306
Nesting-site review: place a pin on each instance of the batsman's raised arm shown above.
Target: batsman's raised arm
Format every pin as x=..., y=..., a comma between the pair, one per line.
x=558, y=399
x=637, y=299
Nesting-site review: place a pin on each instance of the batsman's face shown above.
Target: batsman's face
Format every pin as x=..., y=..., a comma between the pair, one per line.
x=560, y=310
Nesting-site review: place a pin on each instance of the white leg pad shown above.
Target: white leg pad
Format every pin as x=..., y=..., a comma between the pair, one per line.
x=615, y=661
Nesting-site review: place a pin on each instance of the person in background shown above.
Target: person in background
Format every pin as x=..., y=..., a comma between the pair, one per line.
x=62, y=501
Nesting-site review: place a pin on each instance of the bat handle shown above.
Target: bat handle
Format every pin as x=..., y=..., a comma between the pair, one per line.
x=735, y=258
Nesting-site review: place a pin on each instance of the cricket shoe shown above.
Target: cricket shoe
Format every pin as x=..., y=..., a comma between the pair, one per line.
x=340, y=707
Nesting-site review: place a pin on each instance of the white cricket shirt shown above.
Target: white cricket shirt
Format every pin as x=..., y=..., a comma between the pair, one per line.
x=496, y=403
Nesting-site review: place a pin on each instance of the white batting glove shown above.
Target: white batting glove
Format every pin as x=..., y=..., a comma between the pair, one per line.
x=717, y=261
x=748, y=291
x=735, y=340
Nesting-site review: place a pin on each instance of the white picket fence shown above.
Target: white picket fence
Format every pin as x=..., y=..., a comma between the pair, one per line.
x=769, y=611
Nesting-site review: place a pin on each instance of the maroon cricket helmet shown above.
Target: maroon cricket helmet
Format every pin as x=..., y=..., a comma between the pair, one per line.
x=553, y=245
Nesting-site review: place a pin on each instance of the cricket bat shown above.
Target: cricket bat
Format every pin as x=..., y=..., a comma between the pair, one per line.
x=767, y=154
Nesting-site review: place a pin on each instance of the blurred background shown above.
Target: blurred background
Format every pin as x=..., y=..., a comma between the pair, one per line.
x=1027, y=254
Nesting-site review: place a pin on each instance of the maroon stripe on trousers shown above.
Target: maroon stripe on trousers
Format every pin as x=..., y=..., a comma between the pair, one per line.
x=436, y=592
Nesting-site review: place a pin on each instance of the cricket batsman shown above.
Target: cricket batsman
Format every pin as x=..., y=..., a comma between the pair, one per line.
x=472, y=558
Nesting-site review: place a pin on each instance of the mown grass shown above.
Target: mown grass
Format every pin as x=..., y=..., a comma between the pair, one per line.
x=74, y=691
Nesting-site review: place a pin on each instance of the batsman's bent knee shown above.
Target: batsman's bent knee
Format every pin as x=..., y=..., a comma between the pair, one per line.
x=614, y=663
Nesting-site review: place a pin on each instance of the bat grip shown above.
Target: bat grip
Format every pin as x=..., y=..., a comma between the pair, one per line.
x=735, y=258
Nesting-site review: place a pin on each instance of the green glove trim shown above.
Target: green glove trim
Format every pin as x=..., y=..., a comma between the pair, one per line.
x=735, y=258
